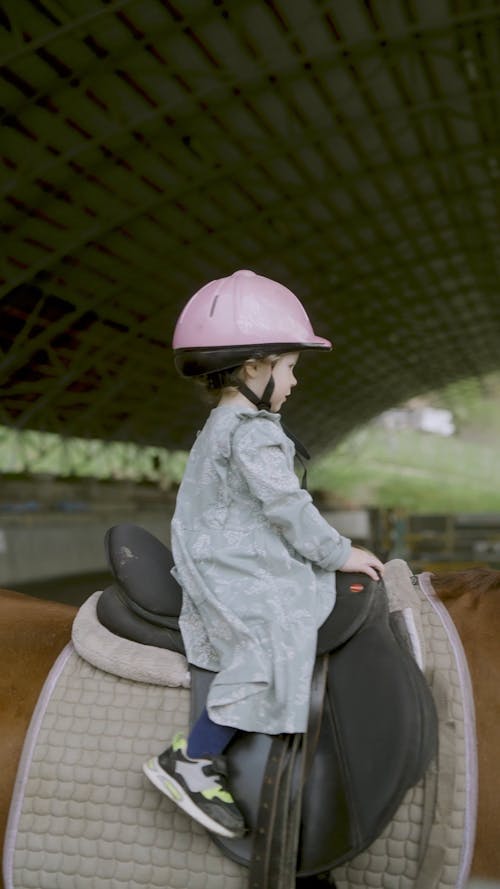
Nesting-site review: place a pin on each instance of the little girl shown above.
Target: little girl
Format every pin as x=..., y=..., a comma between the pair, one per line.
x=255, y=559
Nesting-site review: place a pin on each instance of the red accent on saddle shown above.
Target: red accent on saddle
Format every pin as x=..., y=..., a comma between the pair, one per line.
x=356, y=587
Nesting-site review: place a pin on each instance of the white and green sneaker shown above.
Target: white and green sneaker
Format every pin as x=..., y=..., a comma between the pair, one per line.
x=198, y=786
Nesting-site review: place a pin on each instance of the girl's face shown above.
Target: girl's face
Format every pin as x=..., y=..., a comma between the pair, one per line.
x=284, y=379
x=283, y=375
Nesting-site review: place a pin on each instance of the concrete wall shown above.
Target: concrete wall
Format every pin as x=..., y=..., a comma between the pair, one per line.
x=53, y=528
x=47, y=546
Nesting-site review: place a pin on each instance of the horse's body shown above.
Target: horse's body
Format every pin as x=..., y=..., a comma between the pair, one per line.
x=473, y=599
x=33, y=632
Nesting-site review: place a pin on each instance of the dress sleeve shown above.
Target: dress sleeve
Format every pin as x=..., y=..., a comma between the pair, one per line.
x=260, y=453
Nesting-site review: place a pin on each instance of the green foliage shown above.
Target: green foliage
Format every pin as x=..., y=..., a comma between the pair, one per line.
x=39, y=452
x=375, y=466
x=419, y=471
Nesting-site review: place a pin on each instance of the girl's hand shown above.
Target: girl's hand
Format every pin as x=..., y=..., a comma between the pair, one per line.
x=364, y=561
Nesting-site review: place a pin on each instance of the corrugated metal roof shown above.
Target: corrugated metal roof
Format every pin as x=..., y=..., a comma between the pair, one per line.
x=348, y=149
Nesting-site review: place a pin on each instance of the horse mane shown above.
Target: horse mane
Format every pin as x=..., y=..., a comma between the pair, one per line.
x=476, y=581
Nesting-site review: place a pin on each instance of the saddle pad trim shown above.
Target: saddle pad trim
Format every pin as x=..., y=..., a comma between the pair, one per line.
x=25, y=763
x=123, y=657
x=471, y=772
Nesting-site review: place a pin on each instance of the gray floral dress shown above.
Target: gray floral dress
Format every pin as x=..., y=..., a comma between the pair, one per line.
x=256, y=562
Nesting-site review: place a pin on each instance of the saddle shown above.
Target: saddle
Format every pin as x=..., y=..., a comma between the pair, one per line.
x=311, y=802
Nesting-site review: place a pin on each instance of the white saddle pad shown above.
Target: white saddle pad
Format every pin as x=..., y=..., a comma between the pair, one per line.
x=83, y=816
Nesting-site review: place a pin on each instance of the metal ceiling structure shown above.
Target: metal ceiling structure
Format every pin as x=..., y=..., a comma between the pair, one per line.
x=347, y=148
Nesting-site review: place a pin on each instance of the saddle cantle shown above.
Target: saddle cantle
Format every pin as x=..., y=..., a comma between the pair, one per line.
x=144, y=602
x=377, y=731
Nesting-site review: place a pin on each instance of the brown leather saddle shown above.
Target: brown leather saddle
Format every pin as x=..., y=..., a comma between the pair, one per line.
x=311, y=801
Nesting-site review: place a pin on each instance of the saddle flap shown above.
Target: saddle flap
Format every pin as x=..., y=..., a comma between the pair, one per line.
x=377, y=737
x=142, y=566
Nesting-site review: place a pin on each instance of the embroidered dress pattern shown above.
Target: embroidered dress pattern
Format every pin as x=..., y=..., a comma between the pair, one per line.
x=256, y=561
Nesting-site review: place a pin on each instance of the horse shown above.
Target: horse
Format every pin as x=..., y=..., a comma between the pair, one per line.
x=472, y=598
x=34, y=631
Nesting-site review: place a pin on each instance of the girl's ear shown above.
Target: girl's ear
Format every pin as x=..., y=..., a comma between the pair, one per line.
x=251, y=368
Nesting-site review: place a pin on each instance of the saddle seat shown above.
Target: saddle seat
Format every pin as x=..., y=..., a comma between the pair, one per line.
x=144, y=602
x=378, y=728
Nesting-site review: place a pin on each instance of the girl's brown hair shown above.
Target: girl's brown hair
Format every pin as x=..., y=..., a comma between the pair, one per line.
x=215, y=382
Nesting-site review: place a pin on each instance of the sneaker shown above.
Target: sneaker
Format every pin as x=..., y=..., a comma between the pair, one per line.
x=198, y=786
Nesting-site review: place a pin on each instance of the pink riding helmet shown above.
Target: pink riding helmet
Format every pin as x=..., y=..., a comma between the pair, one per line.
x=242, y=316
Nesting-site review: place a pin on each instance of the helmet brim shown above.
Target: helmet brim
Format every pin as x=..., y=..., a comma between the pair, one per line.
x=199, y=361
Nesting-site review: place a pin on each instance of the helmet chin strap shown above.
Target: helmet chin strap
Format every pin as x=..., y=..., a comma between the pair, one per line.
x=264, y=404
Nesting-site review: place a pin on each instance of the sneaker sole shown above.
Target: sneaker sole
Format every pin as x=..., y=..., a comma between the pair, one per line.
x=175, y=792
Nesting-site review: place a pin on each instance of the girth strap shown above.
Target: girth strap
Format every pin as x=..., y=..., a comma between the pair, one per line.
x=283, y=860
x=277, y=833
x=269, y=810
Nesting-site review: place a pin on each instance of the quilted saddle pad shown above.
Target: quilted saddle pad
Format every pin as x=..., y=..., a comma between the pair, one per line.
x=83, y=815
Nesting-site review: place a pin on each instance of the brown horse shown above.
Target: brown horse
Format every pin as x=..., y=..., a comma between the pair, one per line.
x=473, y=599
x=33, y=632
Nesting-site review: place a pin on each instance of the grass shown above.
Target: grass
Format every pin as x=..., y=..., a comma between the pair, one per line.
x=422, y=472
x=416, y=471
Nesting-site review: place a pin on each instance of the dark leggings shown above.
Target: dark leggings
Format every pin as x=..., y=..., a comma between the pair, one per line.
x=208, y=738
